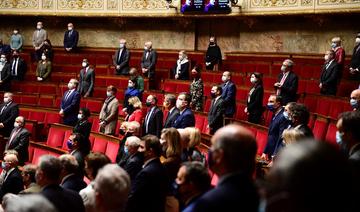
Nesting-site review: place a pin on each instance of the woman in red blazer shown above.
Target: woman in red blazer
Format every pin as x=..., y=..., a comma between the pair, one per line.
x=134, y=110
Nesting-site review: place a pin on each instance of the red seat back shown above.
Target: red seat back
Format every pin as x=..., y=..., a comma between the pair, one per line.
x=55, y=137
x=37, y=154
x=261, y=139
x=331, y=133
x=112, y=150
x=320, y=127
x=99, y=145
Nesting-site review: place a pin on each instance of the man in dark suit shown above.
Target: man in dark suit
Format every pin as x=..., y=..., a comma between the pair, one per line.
x=70, y=104
x=148, y=63
x=5, y=74
x=48, y=177
x=135, y=159
x=71, y=38
x=216, y=113
x=170, y=105
x=18, y=66
x=13, y=182
x=355, y=58
x=19, y=140
x=186, y=117
x=9, y=110
x=330, y=75
x=87, y=79
x=287, y=83
x=228, y=94
x=121, y=59
x=70, y=179
x=300, y=116
x=4, y=48
x=232, y=159
x=277, y=125
x=149, y=188
x=153, y=122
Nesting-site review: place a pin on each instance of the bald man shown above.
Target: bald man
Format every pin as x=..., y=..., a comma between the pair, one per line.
x=13, y=182
x=121, y=59
x=355, y=99
x=19, y=140
x=232, y=158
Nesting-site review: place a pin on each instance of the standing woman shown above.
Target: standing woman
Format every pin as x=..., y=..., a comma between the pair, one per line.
x=16, y=41
x=254, y=107
x=133, y=110
x=196, y=89
x=181, y=69
x=43, y=69
x=83, y=126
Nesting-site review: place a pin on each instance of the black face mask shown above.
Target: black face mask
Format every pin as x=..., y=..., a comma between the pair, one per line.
x=130, y=109
x=212, y=43
x=121, y=131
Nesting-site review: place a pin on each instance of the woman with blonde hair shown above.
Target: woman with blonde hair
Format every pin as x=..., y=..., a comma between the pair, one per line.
x=134, y=112
x=292, y=135
x=191, y=138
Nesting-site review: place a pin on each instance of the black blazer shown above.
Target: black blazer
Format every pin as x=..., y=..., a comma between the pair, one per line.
x=21, y=68
x=74, y=183
x=86, y=82
x=184, y=71
x=7, y=117
x=185, y=119
x=155, y=123
x=330, y=78
x=5, y=77
x=235, y=193
x=20, y=143
x=304, y=128
x=216, y=115
x=171, y=117
x=289, y=87
x=71, y=41
x=84, y=128
x=149, y=189
x=133, y=165
x=12, y=184
x=355, y=58
x=229, y=97
x=70, y=107
x=63, y=199
x=254, y=106
x=123, y=62
x=149, y=62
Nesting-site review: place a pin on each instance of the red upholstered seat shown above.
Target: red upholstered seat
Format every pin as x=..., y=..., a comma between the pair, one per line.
x=24, y=113
x=311, y=102
x=207, y=105
x=101, y=70
x=241, y=94
x=31, y=153
x=38, y=152
x=99, y=145
x=183, y=87
x=31, y=128
x=52, y=118
x=94, y=105
x=323, y=106
x=240, y=114
x=312, y=86
x=169, y=87
x=199, y=121
x=269, y=82
x=47, y=89
x=206, y=128
x=29, y=99
x=261, y=139
x=55, y=137
x=91, y=138
x=95, y=124
x=46, y=101
x=66, y=138
x=37, y=116
x=320, y=127
x=331, y=133
x=111, y=150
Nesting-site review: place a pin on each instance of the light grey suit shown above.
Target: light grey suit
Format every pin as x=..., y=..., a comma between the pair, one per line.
x=38, y=37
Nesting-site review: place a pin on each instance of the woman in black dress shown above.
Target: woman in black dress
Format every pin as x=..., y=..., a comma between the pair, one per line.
x=254, y=101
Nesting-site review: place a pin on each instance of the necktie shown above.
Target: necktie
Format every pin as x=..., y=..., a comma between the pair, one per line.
x=15, y=67
x=278, y=91
x=147, y=55
x=67, y=95
x=120, y=55
x=2, y=110
x=70, y=32
x=147, y=120
x=13, y=136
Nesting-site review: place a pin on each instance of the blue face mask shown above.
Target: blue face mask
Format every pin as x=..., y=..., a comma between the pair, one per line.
x=126, y=150
x=354, y=103
x=339, y=137
x=70, y=144
x=286, y=115
x=270, y=107
x=333, y=45
x=3, y=165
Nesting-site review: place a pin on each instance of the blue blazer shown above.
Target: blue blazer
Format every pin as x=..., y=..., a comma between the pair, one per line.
x=71, y=107
x=185, y=119
x=72, y=40
x=278, y=124
x=229, y=96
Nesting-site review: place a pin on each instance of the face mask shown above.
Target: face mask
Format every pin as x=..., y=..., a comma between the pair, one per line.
x=108, y=93
x=130, y=85
x=333, y=45
x=213, y=95
x=2, y=59
x=283, y=68
x=38, y=27
x=145, y=48
x=286, y=115
x=126, y=150
x=148, y=104
x=3, y=165
x=224, y=78
x=326, y=57
x=43, y=57
x=357, y=40
x=270, y=106
x=70, y=86
x=16, y=125
x=70, y=28
x=212, y=43
x=178, y=104
x=354, y=103
x=80, y=116
x=70, y=144
x=338, y=137
x=121, y=131
x=15, y=32
x=15, y=56
x=6, y=100
x=253, y=80
x=121, y=45
x=84, y=64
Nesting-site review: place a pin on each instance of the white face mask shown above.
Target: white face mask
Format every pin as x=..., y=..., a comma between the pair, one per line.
x=84, y=64
x=357, y=40
x=181, y=57
x=130, y=85
x=108, y=93
x=179, y=104
x=146, y=48
x=121, y=45
x=2, y=59
x=253, y=80
x=326, y=57
x=80, y=116
x=70, y=28
x=224, y=78
x=38, y=27
x=15, y=32
x=70, y=85
x=6, y=100
x=283, y=68
x=43, y=57
x=16, y=125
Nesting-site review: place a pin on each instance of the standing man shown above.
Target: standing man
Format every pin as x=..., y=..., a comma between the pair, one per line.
x=148, y=63
x=8, y=113
x=71, y=38
x=109, y=112
x=5, y=74
x=170, y=105
x=70, y=104
x=330, y=75
x=153, y=122
x=228, y=94
x=355, y=58
x=39, y=36
x=18, y=66
x=87, y=79
x=186, y=117
x=287, y=83
x=339, y=54
x=19, y=140
x=216, y=113
x=121, y=59
x=13, y=182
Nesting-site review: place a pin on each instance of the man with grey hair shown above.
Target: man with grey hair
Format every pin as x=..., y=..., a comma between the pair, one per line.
x=121, y=59
x=112, y=186
x=134, y=160
x=13, y=182
x=70, y=179
x=170, y=105
x=19, y=140
x=48, y=177
x=25, y=203
x=9, y=110
x=70, y=104
x=287, y=83
x=339, y=52
x=148, y=62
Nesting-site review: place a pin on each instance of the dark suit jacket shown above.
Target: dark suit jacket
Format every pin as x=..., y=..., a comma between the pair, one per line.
x=289, y=87
x=184, y=71
x=235, y=193
x=185, y=119
x=20, y=143
x=304, y=128
x=149, y=63
x=12, y=184
x=229, y=97
x=70, y=107
x=71, y=41
x=74, y=183
x=84, y=128
x=330, y=78
x=216, y=115
x=7, y=117
x=123, y=62
x=6, y=77
x=149, y=188
x=21, y=69
x=278, y=124
x=254, y=106
x=155, y=123
x=171, y=117
x=63, y=199
x=355, y=58
x=133, y=165
x=80, y=158
x=86, y=82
